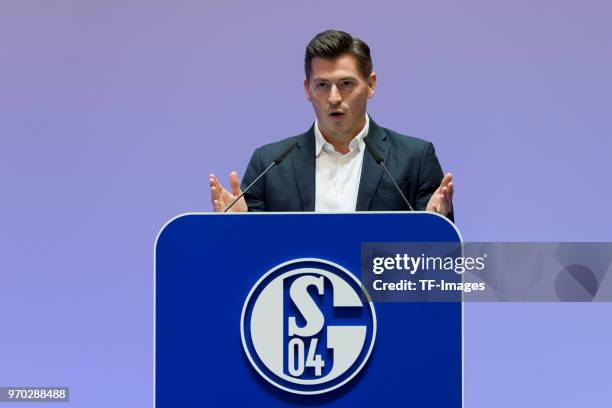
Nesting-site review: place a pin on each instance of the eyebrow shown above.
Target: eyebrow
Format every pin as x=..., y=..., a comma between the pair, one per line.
x=349, y=78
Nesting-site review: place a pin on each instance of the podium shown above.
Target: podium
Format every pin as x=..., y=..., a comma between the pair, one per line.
x=260, y=309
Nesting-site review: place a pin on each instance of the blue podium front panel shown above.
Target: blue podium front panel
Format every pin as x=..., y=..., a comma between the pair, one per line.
x=263, y=310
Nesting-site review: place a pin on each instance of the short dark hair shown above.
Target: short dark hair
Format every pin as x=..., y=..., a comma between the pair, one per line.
x=332, y=44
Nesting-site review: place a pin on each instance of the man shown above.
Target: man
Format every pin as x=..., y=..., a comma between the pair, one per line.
x=330, y=169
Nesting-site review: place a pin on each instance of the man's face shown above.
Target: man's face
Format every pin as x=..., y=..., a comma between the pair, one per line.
x=339, y=94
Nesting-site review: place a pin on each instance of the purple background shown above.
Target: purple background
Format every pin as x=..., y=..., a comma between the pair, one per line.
x=112, y=113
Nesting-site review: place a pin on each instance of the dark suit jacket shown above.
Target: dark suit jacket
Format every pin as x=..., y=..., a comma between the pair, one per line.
x=290, y=186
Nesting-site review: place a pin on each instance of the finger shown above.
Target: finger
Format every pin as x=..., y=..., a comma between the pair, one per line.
x=235, y=183
x=445, y=194
x=445, y=205
x=212, y=180
x=451, y=189
x=214, y=194
x=219, y=187
x=214, y=198
x=218, y=194
x=448, y=177
x=216, y=206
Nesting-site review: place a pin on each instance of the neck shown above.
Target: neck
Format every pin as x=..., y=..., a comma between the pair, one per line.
x=341, y=142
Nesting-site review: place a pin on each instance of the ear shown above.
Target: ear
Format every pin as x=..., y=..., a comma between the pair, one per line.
x=306, y=90
x=372, y=84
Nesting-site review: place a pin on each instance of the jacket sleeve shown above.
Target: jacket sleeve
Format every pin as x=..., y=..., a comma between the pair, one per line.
x=256, y=196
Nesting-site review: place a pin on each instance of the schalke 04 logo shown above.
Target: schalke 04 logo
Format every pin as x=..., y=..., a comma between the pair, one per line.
x=307, y=326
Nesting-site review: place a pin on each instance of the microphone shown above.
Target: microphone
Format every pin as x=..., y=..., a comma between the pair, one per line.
x=281, y=156
x=379, y=160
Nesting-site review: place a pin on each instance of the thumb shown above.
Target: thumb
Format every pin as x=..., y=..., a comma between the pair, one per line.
x=235, y=183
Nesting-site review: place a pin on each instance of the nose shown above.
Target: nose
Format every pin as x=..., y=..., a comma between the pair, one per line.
x=334, y=95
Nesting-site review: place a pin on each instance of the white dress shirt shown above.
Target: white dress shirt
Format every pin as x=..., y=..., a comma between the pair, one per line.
x=337, y=175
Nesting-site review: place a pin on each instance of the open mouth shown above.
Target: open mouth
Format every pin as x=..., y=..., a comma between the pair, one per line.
x=336, y=114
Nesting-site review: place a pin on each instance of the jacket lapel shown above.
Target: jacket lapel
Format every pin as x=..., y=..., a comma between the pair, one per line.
x=370, y=171
x=303, y=161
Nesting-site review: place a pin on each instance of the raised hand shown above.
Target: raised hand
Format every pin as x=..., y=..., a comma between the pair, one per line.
x=441, y=200
x=222, y=198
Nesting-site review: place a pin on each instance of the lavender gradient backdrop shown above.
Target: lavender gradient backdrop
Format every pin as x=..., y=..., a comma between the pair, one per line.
x=112, y=113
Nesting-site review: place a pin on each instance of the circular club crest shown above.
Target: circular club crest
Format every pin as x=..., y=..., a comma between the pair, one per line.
x=307, y=326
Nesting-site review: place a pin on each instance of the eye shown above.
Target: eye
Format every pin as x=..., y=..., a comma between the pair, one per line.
x=322, y=85
x=346, y=84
